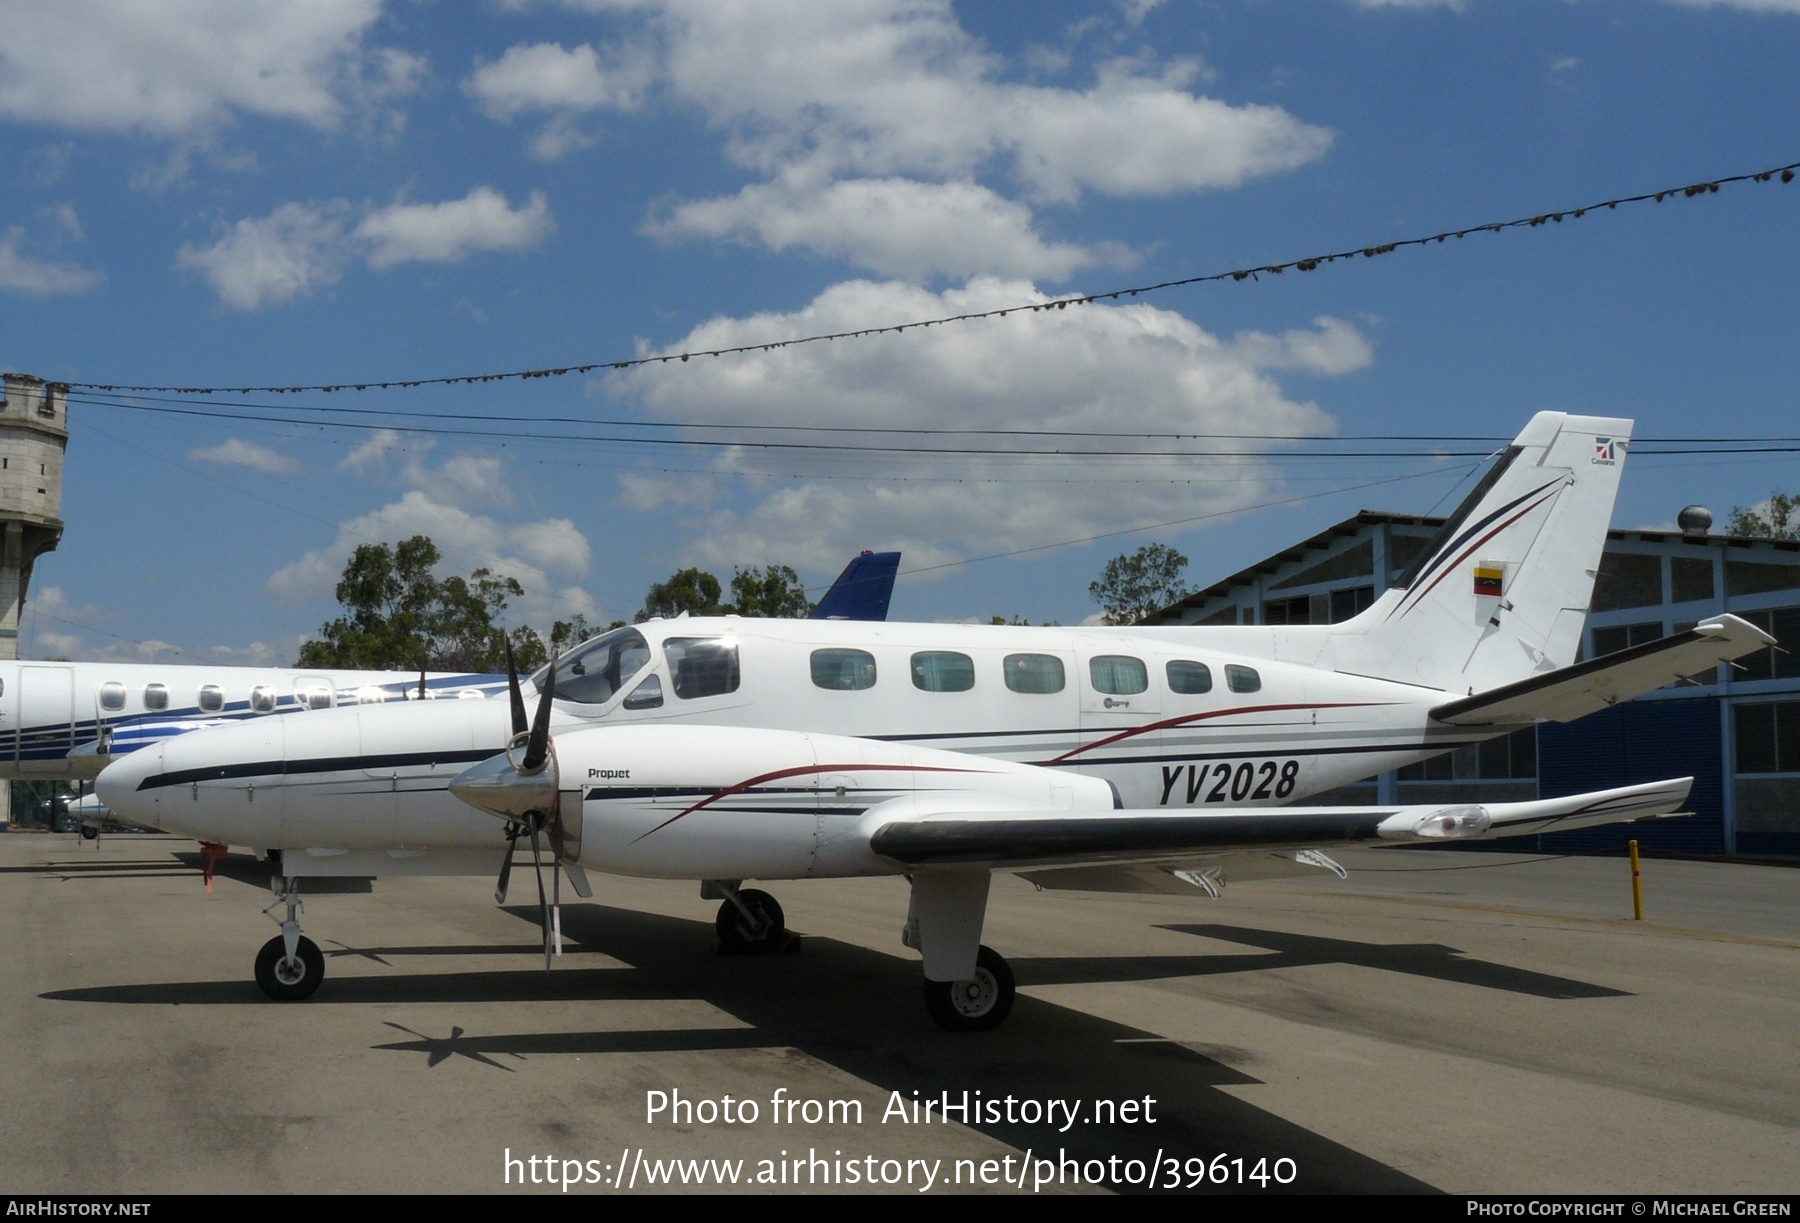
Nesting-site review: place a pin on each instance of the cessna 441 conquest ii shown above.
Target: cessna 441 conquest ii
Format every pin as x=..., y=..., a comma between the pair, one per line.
x=1117, y=759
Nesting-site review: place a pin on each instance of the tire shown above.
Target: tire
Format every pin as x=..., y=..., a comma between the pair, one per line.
x=978, y=1004
x=292, y=981
x=89, y=833
x=735, y=934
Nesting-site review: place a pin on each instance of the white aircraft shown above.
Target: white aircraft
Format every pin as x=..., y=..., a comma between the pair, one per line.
x=1135, y=759
x=67, y=721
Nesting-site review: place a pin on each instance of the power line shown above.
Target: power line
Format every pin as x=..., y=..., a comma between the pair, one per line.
x=1784, y=173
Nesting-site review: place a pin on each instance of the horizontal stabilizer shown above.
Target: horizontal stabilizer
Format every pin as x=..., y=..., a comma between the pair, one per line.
x=1588, y=687
x=1010, y=839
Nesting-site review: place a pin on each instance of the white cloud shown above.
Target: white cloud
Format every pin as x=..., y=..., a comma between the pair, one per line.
x=565, y=83
x=454, y=230
x=894, y=226
x=1131, y=369
x=235, y=452
x=294, y=251
x=301, y=248
x=534, y=553
x=371, y=456
x=21, y=273
x=187, y=67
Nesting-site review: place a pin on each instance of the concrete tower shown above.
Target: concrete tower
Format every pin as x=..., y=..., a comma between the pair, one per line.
x=34, y=432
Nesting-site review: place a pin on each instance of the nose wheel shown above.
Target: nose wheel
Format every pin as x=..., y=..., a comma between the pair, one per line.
x=289, y=978
x=750, y=922
x=978, y=1004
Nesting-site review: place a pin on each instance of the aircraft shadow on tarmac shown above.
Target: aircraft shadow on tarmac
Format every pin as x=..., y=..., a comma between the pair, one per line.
x=854, y=1009
x=1300, y=950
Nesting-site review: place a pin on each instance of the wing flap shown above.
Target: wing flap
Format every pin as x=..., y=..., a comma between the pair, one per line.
x=1588, y=687
x=1011, y=839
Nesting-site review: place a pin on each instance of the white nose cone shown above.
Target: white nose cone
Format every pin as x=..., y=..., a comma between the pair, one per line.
x=128, y=785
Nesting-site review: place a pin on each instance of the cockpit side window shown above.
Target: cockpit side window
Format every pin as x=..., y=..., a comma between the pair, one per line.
x=702, y=666
x=594, y=673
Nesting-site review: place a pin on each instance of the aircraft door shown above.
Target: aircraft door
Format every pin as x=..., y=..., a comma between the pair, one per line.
x=46, y=721
x=1119, y=695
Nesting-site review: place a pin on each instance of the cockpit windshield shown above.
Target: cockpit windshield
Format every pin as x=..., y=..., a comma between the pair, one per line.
x=593, y=673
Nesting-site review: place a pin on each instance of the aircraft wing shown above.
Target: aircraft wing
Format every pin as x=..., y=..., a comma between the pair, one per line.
x=1011, y=839
x=1588, y=687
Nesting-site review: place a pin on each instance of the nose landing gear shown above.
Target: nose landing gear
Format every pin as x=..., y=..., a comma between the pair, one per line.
x=290, y=966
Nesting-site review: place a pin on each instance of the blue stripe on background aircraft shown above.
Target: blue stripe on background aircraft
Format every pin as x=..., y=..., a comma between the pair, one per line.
x=1116, y=759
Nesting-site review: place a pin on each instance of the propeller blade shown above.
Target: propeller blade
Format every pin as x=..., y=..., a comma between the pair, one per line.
x=505, y=868
x=421, y=683
x=537, y=748
x=512, y=688
x=537, y=864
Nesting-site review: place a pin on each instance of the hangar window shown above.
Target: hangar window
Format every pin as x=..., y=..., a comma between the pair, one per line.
x=843, y=670
x=1613, y=638
x=262, y=699
x=942, y=671
x=1781, y=660
x=594, y=673
x=702, y=666
x=1034, y=673
x=1118, y=675
x=112, y=696
x=1242, y=679
x=1627, y=579
x=1189, y=678
x=212, y=698
x=156, y=696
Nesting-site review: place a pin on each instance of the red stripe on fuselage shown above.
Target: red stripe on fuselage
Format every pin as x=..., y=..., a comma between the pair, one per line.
x=1185, y=719
x=801, y=771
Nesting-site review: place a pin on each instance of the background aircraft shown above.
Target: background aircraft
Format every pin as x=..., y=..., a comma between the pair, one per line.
x=1147, y=757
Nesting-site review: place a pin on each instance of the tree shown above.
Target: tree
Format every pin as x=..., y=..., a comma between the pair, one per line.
x=1776, y=518
x=400, y=615
x=693, y=591
x=774, y=593
x=1131, y=587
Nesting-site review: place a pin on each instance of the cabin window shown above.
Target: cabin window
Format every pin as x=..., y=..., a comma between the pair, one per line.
x=597, y=671
x=370, y=694
x=1242, y=679
x=156, y=696
x=647, y=695
x=702, y=666
x=316, y=696
x=942, y=671
x=212, y=698
x=843, y=670
x=1189, y=678
x=262, y=699
x=1118, y=675
x=112, y=696
x=1034, y=673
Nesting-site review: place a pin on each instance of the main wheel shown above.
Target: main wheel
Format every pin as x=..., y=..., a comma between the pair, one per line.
x=736, y=934
x=977, y=1004
x=288, y=980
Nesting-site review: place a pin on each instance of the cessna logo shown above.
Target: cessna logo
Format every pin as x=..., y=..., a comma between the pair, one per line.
x=609, y=774
x=1606, y=451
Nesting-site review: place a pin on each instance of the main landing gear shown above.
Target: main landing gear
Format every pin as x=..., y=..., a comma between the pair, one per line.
x=290, y=965
x=750, y=922
x=978, y=1004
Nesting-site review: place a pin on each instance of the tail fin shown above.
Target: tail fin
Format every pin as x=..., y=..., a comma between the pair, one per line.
x=862, y=590
x=1502, y=592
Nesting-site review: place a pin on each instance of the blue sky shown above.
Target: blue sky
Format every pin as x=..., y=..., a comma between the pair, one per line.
x=227, y=193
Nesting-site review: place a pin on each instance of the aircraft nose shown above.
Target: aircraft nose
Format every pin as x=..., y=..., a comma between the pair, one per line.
x=121, y=784
x=498, y=788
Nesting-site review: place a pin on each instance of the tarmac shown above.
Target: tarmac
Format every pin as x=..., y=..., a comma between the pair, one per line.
x=1456, y=1022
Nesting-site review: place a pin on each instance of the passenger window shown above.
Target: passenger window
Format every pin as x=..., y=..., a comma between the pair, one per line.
x=702, y=666
x=1189, y=678
x=316, y=696
x=1242, y=679
x=647, y=695
x=1035, y=673
x=943, y=671
x=112, y=696
x=599, y=670
x=212, y=698
x=262, y=700
x=156, y=696
x=1118, y=675
x=843, y=670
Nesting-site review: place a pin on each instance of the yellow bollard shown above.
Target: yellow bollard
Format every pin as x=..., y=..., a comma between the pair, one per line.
x=1637, y=885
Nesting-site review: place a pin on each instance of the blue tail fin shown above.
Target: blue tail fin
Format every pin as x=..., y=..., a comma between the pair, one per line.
x=862, y=590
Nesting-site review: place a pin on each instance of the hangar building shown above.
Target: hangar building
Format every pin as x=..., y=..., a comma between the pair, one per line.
x=1735, y=728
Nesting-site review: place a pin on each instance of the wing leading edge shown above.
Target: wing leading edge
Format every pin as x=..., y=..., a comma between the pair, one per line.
x=1010, y=840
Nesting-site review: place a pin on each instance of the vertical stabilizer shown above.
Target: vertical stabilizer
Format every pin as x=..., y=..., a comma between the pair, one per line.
x=1502, y=592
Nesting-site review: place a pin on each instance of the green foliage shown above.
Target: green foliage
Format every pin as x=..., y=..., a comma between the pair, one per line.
x=1780, y=521
x=399, y=615
x=774, y=593
x=1131, y=587
x=693, y=591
